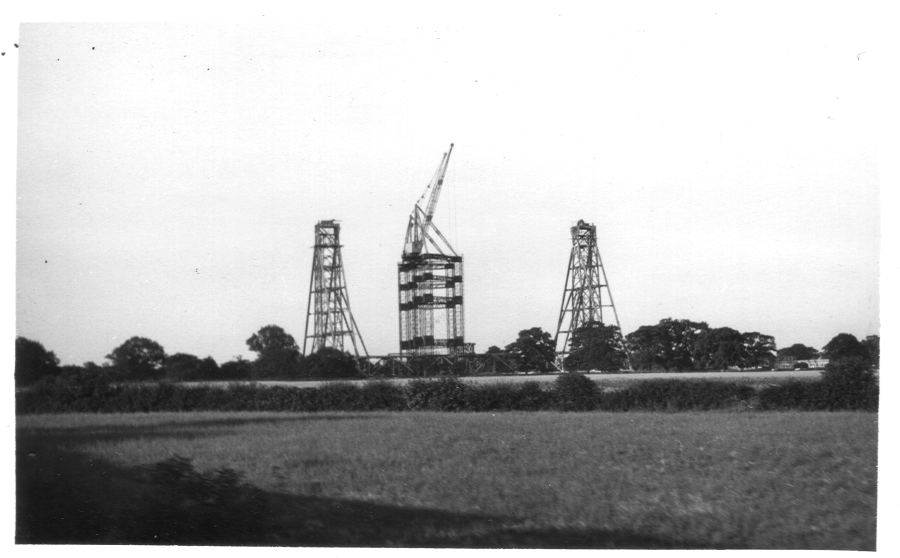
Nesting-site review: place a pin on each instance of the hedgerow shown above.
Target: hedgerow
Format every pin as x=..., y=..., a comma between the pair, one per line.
x=570, y=392
x=676, y=395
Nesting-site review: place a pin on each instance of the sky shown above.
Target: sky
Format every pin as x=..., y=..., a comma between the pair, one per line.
x=169, y=175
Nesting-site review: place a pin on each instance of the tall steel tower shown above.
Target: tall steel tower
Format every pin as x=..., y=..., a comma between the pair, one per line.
x=586, y=296
x=430, y=281
x=328, y=305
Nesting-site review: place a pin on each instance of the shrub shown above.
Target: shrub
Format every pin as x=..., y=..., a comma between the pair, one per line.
x=847, y=383
x=530, y=396
x=805, y=396
x=338, y=396
x=575, y=392
x=381, y=396
x=444, y=394
x=492, y=397
x=676, y=395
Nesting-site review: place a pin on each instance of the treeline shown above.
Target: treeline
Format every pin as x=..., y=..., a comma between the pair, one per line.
x=142, y=359
x=670, y=345
x=850, y=385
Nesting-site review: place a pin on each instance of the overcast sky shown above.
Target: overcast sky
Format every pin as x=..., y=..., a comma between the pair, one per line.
x=170, y=175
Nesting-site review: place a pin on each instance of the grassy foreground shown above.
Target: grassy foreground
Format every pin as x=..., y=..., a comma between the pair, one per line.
x=542, y=479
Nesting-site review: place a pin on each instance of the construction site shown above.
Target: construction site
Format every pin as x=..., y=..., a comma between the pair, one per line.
x=431, y=302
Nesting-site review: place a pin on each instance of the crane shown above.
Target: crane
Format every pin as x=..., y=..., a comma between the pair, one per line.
x=421, y=233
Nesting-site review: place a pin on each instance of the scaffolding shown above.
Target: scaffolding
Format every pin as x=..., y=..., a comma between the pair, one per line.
x=430, y=282
x=586, y=298
x=328, y=305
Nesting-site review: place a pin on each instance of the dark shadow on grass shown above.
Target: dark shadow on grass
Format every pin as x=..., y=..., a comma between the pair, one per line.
x=188, y=429
x=67, y=497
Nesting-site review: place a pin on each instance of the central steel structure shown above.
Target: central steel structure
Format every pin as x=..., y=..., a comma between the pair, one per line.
x=586, y=297
x=430, y=281
x=328, y=305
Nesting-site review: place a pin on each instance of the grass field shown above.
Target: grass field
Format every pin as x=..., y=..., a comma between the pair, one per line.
x=644, y=480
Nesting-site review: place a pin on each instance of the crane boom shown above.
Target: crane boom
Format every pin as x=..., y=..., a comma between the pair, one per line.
x=420, y=221
x=436, y=186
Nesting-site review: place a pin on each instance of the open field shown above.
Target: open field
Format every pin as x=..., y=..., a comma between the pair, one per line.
x=542, y=479
x=611, y=380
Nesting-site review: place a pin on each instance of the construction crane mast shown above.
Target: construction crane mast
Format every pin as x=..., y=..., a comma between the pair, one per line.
x=430, y=280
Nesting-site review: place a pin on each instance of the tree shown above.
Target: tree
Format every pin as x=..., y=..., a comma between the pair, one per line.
x=798, y=351
x=758, y=350
x=33, y=362
x=668, y=344
x=277, y=353
x=237, y=369
x=872, y=344
x=719, y=348
x=329, y=362
x=596, y=345
x=681, y=336
x=494, y=349
x=533, y=350
x=186, y=367
x=647, y=346
x=844, y=345
x=138, y=358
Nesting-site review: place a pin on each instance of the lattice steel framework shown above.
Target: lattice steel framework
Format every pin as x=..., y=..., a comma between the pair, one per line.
x=430, y=281
x=328, y=305
x=587, y=297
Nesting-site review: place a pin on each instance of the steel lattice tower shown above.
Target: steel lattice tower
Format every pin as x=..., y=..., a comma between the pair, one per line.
x=430, y=281
x=586, y=296
x=328, y=305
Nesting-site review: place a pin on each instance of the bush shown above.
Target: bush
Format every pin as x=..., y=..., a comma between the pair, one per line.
x=381, y=396
x=847, y=383
x=493, y=397
x=575, y=392
x=676, y=395
x=444, y=394
x=530, y=396
x=804, y=396
x=338, y=396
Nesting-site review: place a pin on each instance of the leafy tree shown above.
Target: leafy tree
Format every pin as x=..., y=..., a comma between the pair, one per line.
x=798, y=351
x=138, y=358
x=329, y=362
x=596, y=345
x=668, y=344
x=237, y=369
x=647, y=347
x=277, y=353
x=844, y=345
x=33, y=362
x=494, y=349
x=872, y=344
x=758, y=350
x=681, y=336
x=185, y=367
x=719, y=348
x=533, y=350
